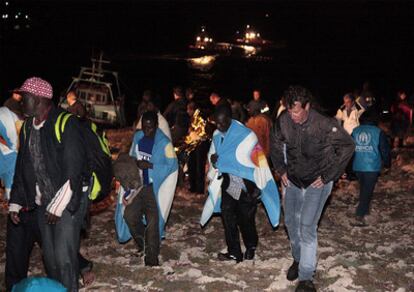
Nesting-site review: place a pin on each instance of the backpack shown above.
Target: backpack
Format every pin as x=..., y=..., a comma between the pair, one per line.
x=98, y=155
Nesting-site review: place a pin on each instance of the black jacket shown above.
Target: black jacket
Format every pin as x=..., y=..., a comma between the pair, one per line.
x=65, y=160
x=318, y=147
x=175, y=108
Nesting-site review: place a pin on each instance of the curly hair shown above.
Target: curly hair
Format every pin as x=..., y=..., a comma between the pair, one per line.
x=297, y=93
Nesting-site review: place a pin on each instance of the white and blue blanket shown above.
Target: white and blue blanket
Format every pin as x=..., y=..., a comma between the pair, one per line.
x=8, y=149
x=163, y=175
x=240, y=154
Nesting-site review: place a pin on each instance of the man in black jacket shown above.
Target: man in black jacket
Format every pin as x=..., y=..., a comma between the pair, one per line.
x=48, y=189
x=309, y=151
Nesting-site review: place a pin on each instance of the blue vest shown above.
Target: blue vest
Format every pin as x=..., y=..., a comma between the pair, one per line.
x=367, y=155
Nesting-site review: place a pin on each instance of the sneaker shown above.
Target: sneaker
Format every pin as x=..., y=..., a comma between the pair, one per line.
x=228, y=257
x=293, y=271
x=305, y=286
x=249, y=254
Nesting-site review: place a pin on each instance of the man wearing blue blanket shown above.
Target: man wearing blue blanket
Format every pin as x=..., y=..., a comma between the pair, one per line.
x=158, y=166
x=239, y=176
x=309, y=151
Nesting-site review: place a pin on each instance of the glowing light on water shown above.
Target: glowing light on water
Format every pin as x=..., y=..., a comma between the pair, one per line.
x=203, y=61
x=249, y=50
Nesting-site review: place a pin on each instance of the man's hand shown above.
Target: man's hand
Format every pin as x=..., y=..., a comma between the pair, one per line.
x=213, y=159
x=50, y=218
x=318, y=183
x=285, y=180
x=142, y=164
x=14, y=217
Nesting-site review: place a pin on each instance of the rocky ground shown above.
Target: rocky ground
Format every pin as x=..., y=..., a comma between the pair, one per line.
x=379, y=257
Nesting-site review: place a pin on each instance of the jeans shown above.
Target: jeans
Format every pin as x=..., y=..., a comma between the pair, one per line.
x=145, y=204
x=303, y=208
x=237, y=215
x=60, y=245
x=367, y=182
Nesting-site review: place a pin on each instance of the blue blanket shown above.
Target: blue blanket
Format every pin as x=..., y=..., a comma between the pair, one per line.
x=9, y=124
x=163, y=175
x=241, y=155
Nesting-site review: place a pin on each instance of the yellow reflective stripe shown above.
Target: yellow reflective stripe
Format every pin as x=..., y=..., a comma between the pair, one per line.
x=57, y=126
x=106, y=143
x=103, y=142
x=65, y=120
x=104, y=146
x=60, y=125
x=94, y=127
x=96, y=187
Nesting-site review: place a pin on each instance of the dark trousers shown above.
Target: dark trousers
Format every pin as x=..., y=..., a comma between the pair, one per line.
x=148, y=237
x=367, y=182
x=19, y=244
x=239, y=214
x=60, y=245
x=197, y=167
x=350, y=174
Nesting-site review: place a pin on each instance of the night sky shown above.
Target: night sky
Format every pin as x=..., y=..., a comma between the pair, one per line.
x=368, y=39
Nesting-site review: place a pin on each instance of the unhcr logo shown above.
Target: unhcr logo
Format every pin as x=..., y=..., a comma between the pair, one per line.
x=362, y=141
x=363, y=138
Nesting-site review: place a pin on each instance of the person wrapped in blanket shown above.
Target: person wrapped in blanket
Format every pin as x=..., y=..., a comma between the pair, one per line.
x=158, y=167
x=231, y=156
x=10, y=124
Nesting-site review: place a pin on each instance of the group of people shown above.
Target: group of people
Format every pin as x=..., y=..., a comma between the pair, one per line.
x=48, y=189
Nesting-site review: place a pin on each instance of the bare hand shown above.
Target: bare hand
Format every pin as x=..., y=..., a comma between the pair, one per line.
x=14, y=217
x=50, y=218
x=285, y=180
x=142, y=164
x=318, y=183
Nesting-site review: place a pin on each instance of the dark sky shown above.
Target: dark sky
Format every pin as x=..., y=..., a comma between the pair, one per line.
x=371, y=36
x=153, y=25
